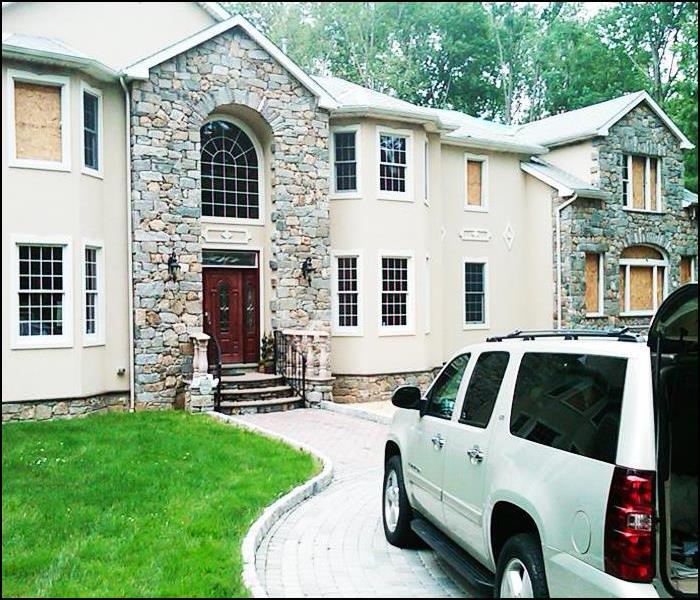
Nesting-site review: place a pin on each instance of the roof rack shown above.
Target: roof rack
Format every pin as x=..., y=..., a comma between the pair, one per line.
x=623, y=334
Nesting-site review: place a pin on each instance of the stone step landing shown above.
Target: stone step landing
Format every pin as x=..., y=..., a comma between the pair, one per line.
x=252, y=392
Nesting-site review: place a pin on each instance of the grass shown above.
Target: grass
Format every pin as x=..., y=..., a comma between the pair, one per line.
x=145, y=504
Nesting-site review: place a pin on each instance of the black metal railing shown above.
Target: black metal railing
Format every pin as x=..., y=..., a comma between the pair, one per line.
x=214, y=360
x=290, y=362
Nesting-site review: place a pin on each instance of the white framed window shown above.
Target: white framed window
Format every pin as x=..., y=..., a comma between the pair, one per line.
x=41, y=292
x=396, y=293
x=641, y=182
x=426, y=172
x=93, y=294
x=475, y=304
x=476, y=178
x=395, y=173
x=38, y=120
x=346, y=286
x=687, y=269
x=91, y=118
x=427, y=286
x=594, y=284
x=643, y=281
x=345, y=162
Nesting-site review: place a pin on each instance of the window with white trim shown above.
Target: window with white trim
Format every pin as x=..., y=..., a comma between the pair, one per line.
x=39, y=115
x=347, y=317
x=41, y=290
x=92, y=129
x=474, y=313
x=426, y=173
x=230, y=168
x=687, y=269
x=643, y=280
x=427, y=286
x=594, y=284
x=393, y=163
x=395, y=292
x=92, y=291
x=476, y=183
x=345, y=173
x=641, y=182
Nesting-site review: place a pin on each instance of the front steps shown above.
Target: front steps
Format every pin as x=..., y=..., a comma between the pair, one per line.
x=250, y=392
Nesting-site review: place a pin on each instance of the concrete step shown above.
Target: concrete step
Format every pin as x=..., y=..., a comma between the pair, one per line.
x=251, y=380
x=260, y=406
x=254, y=394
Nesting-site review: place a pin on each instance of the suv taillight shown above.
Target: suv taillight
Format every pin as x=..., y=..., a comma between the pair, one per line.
x=629, y=526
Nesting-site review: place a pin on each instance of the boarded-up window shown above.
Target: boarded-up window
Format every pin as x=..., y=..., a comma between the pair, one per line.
x=686, y=269
x=593, y=281
x=38, y=121
x=641, y=288
x=653, y=179
x=474, y=182
x=623, y=278
x=638, y=181
x=641, y=252
x=660, y=275
x=642, y=279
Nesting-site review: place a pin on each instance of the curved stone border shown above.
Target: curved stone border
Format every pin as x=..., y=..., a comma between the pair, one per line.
x=355, y=411
x=274, y=512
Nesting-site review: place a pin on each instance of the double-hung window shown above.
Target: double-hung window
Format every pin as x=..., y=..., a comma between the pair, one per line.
x=346, y=300
x=345, y=159
x=394, y=167
x=396, y=294
x=93, y=321
x=475, y=303
x=641, y=182
x=92, y=130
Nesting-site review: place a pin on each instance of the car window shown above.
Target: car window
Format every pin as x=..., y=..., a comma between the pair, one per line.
x=571, y=402
x=442, y=396
x=483, y=389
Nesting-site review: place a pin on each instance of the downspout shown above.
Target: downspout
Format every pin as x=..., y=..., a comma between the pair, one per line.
x=130, y=260
x=559, y=211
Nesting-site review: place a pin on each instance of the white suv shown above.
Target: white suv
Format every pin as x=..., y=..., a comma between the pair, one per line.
x=560, y=463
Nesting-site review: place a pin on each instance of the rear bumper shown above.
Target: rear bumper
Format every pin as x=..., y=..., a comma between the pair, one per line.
x=567, y=576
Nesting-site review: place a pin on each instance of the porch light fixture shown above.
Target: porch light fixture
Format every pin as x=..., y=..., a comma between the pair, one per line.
x=173, y=266
x=307, y=269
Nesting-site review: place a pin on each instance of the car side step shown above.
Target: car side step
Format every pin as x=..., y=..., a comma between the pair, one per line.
x=457, y=558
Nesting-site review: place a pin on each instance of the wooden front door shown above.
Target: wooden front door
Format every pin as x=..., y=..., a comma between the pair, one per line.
x=231, y=312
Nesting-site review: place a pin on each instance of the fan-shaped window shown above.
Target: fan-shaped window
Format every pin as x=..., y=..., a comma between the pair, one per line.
x=643, y=281
x=230, y=172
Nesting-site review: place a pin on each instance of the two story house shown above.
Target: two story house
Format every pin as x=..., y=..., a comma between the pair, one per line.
x=170, y=175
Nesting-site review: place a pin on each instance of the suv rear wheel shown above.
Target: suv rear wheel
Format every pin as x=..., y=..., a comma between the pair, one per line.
x=396, y=511
x=520, y=572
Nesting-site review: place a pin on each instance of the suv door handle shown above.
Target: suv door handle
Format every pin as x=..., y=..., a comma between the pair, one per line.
x=476, y=455
x=438, y=441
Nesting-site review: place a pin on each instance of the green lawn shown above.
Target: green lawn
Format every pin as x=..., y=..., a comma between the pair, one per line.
x=145, y=504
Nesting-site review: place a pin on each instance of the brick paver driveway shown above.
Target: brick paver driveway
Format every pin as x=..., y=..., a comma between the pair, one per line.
x=333, y=544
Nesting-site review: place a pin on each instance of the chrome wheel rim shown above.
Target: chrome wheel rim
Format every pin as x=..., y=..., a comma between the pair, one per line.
x=516, y=582
x=391, y=501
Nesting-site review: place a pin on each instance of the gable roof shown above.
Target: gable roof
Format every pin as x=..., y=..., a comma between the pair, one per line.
x=564, y=182
x=140, y=69
x=594, y=120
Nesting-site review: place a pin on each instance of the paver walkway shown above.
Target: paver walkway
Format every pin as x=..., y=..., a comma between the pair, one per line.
x=333, y=544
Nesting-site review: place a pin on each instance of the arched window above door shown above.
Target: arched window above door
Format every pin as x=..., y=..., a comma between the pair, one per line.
x=230, y=167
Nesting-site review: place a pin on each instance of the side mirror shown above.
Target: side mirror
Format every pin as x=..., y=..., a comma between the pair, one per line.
x=407, y=396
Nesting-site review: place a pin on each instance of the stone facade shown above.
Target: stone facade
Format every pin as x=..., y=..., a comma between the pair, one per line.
x=42, y=410
x=605, y=227
x=230, y=72
x=371, y=388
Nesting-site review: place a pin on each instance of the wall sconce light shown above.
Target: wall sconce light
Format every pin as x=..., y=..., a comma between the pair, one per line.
x=307, y=269
x=173, y=266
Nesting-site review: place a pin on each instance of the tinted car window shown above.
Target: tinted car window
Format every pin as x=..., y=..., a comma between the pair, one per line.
x=443, y=394
x=483, y=389
x=571, y=402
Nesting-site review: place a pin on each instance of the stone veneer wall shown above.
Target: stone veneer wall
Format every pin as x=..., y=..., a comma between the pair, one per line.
x=372, y=388
x=603, y=226
x=167, y=113
x=42, y=410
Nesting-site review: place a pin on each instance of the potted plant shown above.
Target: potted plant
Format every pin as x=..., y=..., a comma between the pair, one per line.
x=266, y=364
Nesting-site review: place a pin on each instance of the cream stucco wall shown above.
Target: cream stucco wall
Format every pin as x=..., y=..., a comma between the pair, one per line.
x=116, y=33
x=82, y=208
x=577, y=159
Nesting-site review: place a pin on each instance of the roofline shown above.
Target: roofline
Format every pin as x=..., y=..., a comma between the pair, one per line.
x=140, y=69
x=490, y=144
x=365, y=110
x=215, y=10
x=564, y=190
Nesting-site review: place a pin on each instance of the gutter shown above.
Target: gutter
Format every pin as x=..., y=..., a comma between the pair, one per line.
x=129, y=254
x=560, y=209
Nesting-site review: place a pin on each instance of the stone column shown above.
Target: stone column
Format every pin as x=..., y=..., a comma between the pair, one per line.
x=201, y=388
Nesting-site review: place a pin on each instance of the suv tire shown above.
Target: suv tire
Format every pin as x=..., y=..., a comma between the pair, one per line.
x=396, y=511
x=520, y=564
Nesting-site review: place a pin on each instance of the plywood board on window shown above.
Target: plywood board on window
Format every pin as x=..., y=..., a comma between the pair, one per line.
x=474, y=183
x=659, y=285
x=641, y=252
x=592, y=279
x=622, y=289
x=641, y=288
x=653, y=167
x=638, y=181
x=38, y=121
x=686, y=269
